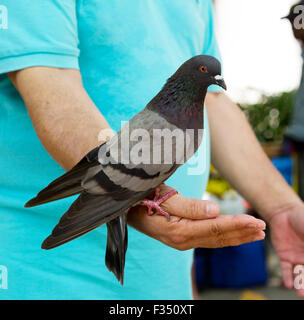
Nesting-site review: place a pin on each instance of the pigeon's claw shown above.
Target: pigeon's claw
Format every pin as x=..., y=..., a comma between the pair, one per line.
x=156, y=202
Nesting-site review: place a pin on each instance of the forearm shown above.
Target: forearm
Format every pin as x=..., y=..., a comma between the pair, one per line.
x=64, y=117
x=238, y=156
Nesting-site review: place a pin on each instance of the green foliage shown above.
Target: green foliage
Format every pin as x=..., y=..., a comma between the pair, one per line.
x=270, y=116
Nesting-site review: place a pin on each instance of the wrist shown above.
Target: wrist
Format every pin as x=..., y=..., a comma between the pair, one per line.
x=281, y=205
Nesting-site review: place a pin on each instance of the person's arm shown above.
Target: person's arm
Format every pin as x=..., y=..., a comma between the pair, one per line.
x=64, y=117
x=68, y=124
x=238, y=156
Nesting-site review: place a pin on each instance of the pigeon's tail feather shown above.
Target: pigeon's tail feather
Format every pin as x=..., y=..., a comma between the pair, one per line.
x=117, y=244
x=65, y=186
x=87, y=212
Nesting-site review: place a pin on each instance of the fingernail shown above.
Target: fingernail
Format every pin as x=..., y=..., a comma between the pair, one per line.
x=262, y=225
x=260, y=237
x=258, y=225
x=211, y=209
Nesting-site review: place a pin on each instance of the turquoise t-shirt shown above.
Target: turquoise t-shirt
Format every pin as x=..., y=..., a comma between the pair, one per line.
x=125, y=51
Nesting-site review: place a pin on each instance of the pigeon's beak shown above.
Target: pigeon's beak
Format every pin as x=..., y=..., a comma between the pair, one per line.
x=219, y=80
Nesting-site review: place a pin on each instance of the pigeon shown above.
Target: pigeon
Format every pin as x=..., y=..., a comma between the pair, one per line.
x=124, y=171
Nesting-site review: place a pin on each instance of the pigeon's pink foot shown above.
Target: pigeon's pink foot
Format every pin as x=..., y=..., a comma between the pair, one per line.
x=157, y=201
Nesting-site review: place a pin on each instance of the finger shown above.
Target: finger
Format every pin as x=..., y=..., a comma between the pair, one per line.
x=191, y=208
x=232, y=235
x=159, y=228
x=221, y=225
x=287, y=274
x=300, y=293
x=256, y=236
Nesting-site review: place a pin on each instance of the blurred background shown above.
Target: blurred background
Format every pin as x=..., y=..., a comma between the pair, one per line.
x=260, y=54
x=262, y=59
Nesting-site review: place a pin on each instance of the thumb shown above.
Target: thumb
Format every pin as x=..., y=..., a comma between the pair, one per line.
x=191, y=208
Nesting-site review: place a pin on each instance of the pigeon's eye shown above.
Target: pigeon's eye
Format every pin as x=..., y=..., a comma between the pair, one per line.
x=203, y=69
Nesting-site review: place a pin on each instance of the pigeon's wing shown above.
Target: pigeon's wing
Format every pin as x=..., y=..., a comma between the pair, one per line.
x=111, y=188
x=69, y=183
x=138, y=158
x=88, y=212
x=129, y=174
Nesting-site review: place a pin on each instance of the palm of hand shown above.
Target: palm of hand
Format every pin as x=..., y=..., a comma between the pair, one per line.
x=287, y=231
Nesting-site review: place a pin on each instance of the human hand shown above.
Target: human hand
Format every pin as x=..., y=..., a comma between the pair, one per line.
x=287, y=233
x=195, y=224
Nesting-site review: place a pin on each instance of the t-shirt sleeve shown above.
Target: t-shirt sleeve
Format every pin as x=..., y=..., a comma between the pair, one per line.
x=39, y=33
x=210, y=43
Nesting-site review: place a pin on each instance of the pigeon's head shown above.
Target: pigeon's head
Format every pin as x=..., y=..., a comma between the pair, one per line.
x=203, y=71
